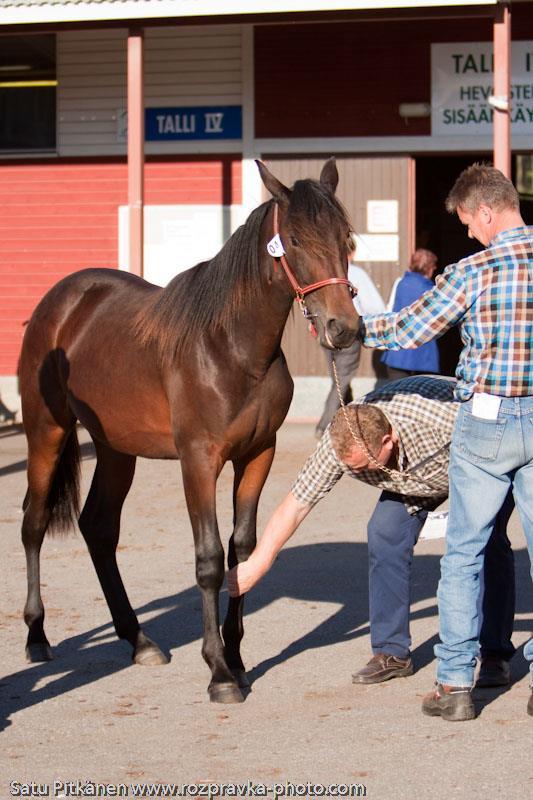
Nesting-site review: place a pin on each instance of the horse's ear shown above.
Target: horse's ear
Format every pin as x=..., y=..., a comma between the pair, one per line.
x=329, y=177
x=275, y=187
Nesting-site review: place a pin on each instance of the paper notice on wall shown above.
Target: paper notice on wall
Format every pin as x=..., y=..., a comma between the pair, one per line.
x=382, y=216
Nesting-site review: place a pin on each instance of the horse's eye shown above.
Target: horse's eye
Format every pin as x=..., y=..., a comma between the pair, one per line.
x=294, y=241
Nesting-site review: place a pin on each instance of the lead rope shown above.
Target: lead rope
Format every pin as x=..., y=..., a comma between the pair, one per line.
x=360, y=442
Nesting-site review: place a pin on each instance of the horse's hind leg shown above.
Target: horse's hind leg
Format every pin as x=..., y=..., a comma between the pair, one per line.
x=100, y=525
x=250, y=477
x=48, y=445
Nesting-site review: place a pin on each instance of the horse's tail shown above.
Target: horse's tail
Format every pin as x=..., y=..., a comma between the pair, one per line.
x=63, y=501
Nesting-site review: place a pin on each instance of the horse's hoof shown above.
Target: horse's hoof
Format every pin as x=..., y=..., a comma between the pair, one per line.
x=225, y=693
x=241, y=678
x=38, y=651
x=149, y=656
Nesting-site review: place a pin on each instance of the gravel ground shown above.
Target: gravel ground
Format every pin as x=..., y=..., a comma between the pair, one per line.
x=90, y=716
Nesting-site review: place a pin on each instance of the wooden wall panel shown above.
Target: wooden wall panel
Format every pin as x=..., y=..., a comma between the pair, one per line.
x=60, y=217
x=193, y=65
x=91, y=70
x=206, y=180
x=184, y=66
x=56, y=218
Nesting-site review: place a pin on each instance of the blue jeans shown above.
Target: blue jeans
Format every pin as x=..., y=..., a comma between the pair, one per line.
x=487, y=457
x=392, y=535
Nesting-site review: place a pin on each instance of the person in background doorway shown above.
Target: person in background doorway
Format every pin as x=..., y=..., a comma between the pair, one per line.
x=367, y=301
x=418, y=279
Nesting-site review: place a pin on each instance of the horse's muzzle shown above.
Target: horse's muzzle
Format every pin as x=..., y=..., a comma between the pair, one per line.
x=337, y=335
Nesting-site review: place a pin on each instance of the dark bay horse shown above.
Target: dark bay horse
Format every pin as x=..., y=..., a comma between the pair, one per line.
x=191, y=372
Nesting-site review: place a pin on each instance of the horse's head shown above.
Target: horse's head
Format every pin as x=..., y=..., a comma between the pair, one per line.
x=311, y=237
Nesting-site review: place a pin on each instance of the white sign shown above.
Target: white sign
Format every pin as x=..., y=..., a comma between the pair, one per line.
x=376, y=247
x=462, y=83
x=178, y=237
x=382, y=216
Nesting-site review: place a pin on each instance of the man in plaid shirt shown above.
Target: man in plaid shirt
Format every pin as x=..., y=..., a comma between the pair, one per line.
x=405, y=430
x=490, y=295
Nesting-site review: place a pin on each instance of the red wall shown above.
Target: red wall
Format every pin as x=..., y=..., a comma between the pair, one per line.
x=57, y=217
x=348, y=79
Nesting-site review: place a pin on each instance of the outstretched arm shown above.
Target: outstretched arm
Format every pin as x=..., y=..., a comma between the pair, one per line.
x=426, y=318
x=280, y=527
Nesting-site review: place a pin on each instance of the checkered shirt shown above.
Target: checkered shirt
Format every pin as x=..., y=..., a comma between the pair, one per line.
x=491, y=295
x=422, y=412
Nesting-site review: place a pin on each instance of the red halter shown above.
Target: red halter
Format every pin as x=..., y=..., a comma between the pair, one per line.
x=300, y=291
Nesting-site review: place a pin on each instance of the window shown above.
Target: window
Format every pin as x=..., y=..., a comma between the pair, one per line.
x=27, y=93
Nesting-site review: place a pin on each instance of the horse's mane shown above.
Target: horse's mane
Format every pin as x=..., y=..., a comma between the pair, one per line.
x=211, y=294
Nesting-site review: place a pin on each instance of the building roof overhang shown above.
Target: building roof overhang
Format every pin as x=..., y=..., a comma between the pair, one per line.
x=69, y=12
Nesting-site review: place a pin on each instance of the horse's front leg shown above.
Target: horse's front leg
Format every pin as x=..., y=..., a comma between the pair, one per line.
x=199, y=481
x=250, y=476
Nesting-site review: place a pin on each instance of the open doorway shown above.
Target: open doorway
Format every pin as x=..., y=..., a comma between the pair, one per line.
x=442, y=232
x=436, y=229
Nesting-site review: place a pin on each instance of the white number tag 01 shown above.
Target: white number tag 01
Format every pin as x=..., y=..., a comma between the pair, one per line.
x=275, y=247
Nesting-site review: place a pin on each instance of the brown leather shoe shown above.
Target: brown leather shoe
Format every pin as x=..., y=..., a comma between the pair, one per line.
x=453, y=703
x=383, y=667
x=493, y=672
x=530, y=704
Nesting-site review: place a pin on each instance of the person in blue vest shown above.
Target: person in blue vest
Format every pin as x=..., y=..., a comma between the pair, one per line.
x=401, y=363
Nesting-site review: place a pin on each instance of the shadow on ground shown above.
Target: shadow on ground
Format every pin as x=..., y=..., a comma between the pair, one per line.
x=323, y=573
x=86, y=449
